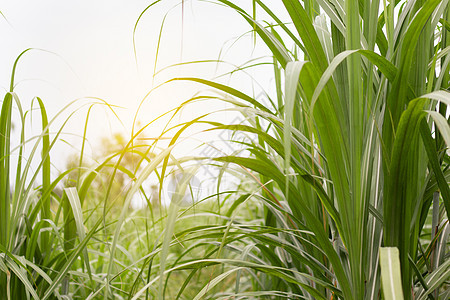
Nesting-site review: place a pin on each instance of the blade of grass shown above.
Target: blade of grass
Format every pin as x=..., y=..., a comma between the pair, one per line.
x=390, y=273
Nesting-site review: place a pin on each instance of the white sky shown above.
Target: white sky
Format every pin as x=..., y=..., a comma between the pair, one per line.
x=94, y=57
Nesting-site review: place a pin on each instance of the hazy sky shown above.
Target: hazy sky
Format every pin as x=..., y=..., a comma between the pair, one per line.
x=92, y=42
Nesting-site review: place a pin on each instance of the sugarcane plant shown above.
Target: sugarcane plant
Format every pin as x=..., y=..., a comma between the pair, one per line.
x=53, y=229
x=42, y=231
x=349, y=157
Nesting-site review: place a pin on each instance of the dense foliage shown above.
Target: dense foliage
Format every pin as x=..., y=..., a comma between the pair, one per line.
x=349, y=157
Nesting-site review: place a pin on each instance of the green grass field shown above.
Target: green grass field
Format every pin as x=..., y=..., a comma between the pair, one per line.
x=341, y=191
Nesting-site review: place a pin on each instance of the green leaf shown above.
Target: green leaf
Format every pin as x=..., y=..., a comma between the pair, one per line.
x=74, y=201
x=390, y=273
x=22, y=275
x=435, y=279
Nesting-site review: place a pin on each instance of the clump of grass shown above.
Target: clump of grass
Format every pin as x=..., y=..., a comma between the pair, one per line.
x=42, y=231
x=67, y=243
